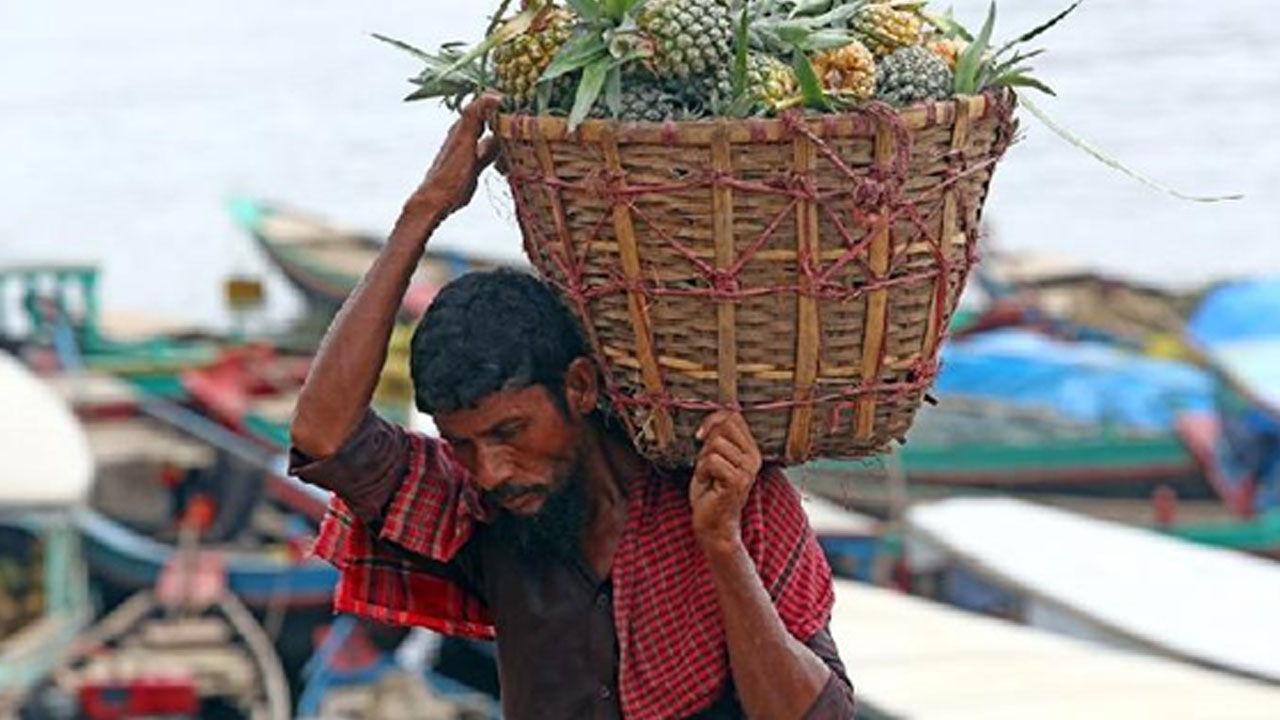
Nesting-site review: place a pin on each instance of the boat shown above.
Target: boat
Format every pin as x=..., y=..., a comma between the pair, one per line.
x=158, y=462
x=353, y=676
x=912, y=659
x=326, y=263
x=252, y=389
x=1075, y=301
x=44, y=591
x=1116, y=585
x=1237, y=331
x=63, y=327
x=144, y=447
x=187, y=649
x=850, y=540
x=982, y=443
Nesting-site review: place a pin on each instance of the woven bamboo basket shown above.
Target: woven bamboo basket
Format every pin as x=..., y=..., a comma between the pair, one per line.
x=802, y=269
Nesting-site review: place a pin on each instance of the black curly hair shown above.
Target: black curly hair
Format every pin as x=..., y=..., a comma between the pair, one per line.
x=492, y=331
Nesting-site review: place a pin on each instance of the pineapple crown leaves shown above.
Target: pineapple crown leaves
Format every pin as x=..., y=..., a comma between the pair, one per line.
x=978, y=67
x=606, y=39
x=434, y=82
x=453, y=73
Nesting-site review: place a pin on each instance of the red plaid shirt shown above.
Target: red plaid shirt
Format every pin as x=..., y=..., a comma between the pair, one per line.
x=673, y=654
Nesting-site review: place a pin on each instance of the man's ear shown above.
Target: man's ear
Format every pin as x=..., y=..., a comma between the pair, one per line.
x=582, y=386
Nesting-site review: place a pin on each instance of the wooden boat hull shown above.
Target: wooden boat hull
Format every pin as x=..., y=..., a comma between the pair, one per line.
x=325, y=264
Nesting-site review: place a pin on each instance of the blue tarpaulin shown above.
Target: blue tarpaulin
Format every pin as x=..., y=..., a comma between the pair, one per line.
x=1245, y=310
x=1086, y=382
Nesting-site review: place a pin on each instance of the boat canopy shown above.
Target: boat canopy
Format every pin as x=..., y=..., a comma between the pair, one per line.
x=1238, y=311
x=911, y=659
x=1080, y=381
x=44, y=457
x=1216, y=607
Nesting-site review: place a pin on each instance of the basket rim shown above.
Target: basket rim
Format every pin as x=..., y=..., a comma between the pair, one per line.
x=858, y=122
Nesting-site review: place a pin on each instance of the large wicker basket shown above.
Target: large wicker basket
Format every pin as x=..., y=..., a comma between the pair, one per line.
x=803, y=269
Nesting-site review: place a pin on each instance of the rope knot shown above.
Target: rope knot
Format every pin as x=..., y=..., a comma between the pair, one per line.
x=725, y=284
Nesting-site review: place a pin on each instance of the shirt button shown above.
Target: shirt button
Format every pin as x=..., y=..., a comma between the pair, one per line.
x=605, y=692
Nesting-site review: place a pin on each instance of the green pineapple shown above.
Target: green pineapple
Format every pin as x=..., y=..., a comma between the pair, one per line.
x=884, y=28
x=519, y=64
x=912, y=75
x=770, y=80
x=690, y=38
x=643, y=102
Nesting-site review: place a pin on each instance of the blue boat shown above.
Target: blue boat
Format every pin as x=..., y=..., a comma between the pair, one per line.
x=1237, y=330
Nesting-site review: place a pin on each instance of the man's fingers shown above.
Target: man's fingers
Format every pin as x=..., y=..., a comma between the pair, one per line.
x=728, y=449
x=710, y=422
x=478, y=111
x=718, y=469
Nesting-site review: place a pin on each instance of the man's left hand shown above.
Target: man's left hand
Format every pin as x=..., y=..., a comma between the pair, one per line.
x=722, y=479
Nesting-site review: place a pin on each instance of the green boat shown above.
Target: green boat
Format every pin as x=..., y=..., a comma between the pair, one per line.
x=326, y=263
x=60, y=316
x=986, y=444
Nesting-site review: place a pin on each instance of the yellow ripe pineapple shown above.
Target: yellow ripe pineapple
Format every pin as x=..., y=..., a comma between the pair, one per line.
x=885, y=28
x=849, y=70
x=519, y=63
x=948, y=49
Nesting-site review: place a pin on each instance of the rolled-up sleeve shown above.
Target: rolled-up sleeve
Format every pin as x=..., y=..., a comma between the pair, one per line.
x=835, y=702
x=365, y=473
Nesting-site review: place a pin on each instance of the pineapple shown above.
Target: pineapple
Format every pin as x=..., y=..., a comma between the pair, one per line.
x=690, y=38
x=769, y=81
x=948, y=49
x=643, y=101
x=912, y=75
x=519, y=64
x=849, y=71
x=772, y=81
x=885, y=28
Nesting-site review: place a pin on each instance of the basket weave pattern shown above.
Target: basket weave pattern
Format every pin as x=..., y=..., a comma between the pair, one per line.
x=801, y=269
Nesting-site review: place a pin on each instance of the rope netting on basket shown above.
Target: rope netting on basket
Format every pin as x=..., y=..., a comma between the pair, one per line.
x=802, y=269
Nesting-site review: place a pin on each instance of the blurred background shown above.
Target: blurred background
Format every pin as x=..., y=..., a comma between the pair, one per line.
x=1115, y=367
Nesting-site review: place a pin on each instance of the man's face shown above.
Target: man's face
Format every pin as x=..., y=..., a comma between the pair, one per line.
x=519, y=445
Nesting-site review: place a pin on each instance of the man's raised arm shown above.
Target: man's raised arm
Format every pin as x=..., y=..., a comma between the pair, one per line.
x=345, y=372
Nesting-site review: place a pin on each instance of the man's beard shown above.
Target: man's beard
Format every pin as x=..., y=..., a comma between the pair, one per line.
x=556, y=529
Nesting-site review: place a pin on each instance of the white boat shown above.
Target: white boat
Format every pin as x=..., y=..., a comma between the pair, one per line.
x=1118, y=585
x=45, y=474
x=911, y=659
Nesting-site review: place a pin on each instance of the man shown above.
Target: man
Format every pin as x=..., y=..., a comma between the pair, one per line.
x=614, y=589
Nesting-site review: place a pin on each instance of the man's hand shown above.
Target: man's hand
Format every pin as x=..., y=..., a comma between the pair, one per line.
x=452, y=179
x=722, y=479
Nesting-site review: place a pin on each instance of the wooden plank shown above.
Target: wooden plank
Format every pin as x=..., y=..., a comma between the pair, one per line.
x=726, y=254
x=808, y=335
x=950, y=222
x=650, y=374
x=548, y=166
x=873, y=338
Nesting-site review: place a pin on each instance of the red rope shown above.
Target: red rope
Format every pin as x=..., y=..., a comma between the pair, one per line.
x=872, y=198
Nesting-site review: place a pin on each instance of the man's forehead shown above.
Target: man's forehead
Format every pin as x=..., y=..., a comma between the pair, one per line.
x=492, y=410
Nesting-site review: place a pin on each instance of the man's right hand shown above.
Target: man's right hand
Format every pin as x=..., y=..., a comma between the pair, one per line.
x=452, y=179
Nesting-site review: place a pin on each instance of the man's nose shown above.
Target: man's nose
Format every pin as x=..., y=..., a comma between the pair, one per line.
x=494, y=468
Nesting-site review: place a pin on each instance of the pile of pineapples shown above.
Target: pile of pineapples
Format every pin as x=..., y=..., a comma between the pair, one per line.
x=659, y=60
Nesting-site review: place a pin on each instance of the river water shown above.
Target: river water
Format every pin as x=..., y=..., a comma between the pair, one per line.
x=124, y=126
